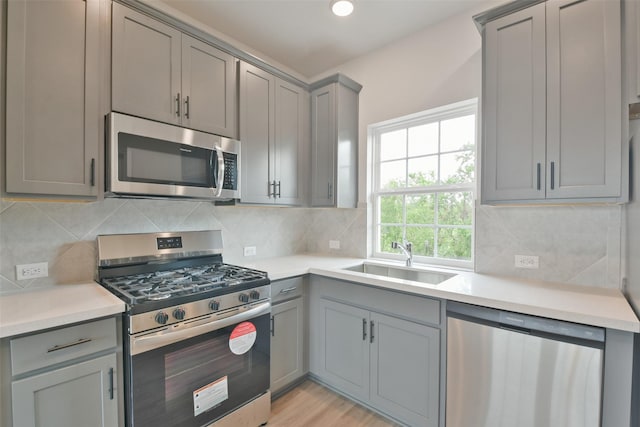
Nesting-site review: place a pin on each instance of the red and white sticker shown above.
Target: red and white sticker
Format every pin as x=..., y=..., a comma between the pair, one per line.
x=242, y=338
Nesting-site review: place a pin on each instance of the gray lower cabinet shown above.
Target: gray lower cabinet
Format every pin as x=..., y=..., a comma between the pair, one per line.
x=274, y=134
x=552, y=104
x=67, y=377
x=77, y=395
x=334, y=142
x=53, y=117
x=287, y=333
x=163, y=74
x=388, y=361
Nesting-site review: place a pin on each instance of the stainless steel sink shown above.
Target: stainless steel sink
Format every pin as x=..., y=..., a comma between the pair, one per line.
x=406, y=273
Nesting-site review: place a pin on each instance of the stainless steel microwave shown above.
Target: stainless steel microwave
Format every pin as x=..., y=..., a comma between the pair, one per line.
x=151, y=159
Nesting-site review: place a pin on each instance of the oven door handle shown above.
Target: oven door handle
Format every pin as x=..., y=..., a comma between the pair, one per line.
x=184, y=331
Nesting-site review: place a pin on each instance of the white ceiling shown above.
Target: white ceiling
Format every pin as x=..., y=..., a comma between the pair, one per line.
x=305, y=36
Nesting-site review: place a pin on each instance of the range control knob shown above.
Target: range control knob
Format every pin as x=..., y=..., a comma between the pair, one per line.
x=179, y=313
x=254, y=295
x=243, y=298
x=214, y=305
x=162, y=317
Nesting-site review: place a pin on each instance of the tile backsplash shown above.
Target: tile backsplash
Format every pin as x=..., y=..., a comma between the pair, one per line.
x=575, y=244
x=63, y=234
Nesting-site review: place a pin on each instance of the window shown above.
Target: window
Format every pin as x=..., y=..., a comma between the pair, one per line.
x=424, y=184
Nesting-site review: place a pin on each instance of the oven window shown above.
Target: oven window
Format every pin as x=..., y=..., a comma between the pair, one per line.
x=142, y=159
x=198, y=380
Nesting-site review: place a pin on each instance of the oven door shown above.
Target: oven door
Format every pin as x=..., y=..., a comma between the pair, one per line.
x=195, y=381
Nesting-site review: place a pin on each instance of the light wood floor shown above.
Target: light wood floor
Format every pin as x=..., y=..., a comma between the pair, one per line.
x=311, y=405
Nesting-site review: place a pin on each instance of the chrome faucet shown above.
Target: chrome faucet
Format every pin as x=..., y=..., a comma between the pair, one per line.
x=406, y=249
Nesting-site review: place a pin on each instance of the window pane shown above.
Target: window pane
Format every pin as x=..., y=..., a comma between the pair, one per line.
x=423, y=171
x=392, y=174
x=393, y=145
x=455, y=208
x=454, y=243
x=389, y=234
x=458, y=133
x=457, y=168
x=421, y=239
x=420, y=209
x=423, y=139
x=390, y=209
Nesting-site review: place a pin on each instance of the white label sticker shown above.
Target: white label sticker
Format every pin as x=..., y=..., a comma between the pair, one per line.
x=242, y=338
x=210, y=395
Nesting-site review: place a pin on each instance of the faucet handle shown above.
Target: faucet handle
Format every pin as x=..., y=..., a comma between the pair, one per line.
x=394, y=245
x=407, y=245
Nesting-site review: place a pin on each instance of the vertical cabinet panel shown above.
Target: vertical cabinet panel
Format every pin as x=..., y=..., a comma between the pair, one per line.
x=52, y=110
x=514, y=106
x=345, y=346
x=257, y=106
x=323, y=145
x=286, y=343
x=77, y=395
x=584, y=122
x=411, y=389
x=146, y=66
x=208, y=86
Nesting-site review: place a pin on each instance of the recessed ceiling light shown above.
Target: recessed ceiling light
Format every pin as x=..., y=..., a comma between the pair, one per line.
x=341, y=7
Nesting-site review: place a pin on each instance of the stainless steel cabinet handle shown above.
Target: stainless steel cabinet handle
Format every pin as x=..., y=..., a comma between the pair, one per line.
x=186, y=107
x=287, y=290
x=371, y=332
x=93, y=173
x=364, y=329
x=72, y=344
x=178, y=104
x=329, y=190
x=272, y=189
x=538, y=178
x=553, y=175
x=111, y=384
x=273, y=326
x=277, y=185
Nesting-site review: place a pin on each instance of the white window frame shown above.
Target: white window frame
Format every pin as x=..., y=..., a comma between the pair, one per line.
x=458, y=109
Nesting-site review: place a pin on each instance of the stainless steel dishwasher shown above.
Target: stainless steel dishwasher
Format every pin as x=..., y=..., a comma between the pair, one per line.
x=507, y=369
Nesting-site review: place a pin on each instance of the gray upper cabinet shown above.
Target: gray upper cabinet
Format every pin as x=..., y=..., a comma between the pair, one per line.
x=334, y=142
x=274, y=135
x=53, y=119
x=553, y=104
x=165, y=75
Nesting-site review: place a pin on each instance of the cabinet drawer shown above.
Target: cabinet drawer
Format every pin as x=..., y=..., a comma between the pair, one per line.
x=60, y=345
x=286, y=289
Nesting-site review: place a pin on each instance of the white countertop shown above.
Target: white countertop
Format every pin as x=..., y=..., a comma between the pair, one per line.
x=59, y=305
x=65, y=304
x=607, y=308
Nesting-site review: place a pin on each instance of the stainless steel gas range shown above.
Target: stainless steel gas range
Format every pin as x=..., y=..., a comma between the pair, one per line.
x=197, y=343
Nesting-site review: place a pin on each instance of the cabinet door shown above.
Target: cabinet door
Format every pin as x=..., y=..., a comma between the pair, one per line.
x=514, y=107
x=286, y=343
x=345, y=347
x=405, y=369
x=323, y=137
x=145, y=66
x=288, y=143
x=257, y=108
x=208, y=86
x=77, y=395
x=584, y=113
x=52, y=109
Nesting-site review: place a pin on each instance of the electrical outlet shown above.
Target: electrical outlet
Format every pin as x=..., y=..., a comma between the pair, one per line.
x=249, y=251
x=334, y=244
x=32, y=271
x=527, y=261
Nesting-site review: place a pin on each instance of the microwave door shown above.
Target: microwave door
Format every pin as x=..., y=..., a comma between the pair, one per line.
x=219, y=184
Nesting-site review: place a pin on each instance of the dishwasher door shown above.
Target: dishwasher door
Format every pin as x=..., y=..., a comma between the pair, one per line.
x=509, y=374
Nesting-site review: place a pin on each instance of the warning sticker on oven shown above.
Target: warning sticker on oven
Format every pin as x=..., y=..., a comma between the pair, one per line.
x=242, y=338
x=210, y=395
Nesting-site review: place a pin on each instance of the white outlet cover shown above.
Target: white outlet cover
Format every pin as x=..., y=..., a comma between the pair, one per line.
x=334, y=244
x=250, y=251
x=32, y=271
x=527, y=261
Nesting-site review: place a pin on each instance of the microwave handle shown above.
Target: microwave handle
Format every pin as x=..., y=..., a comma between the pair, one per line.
x=220, y=181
